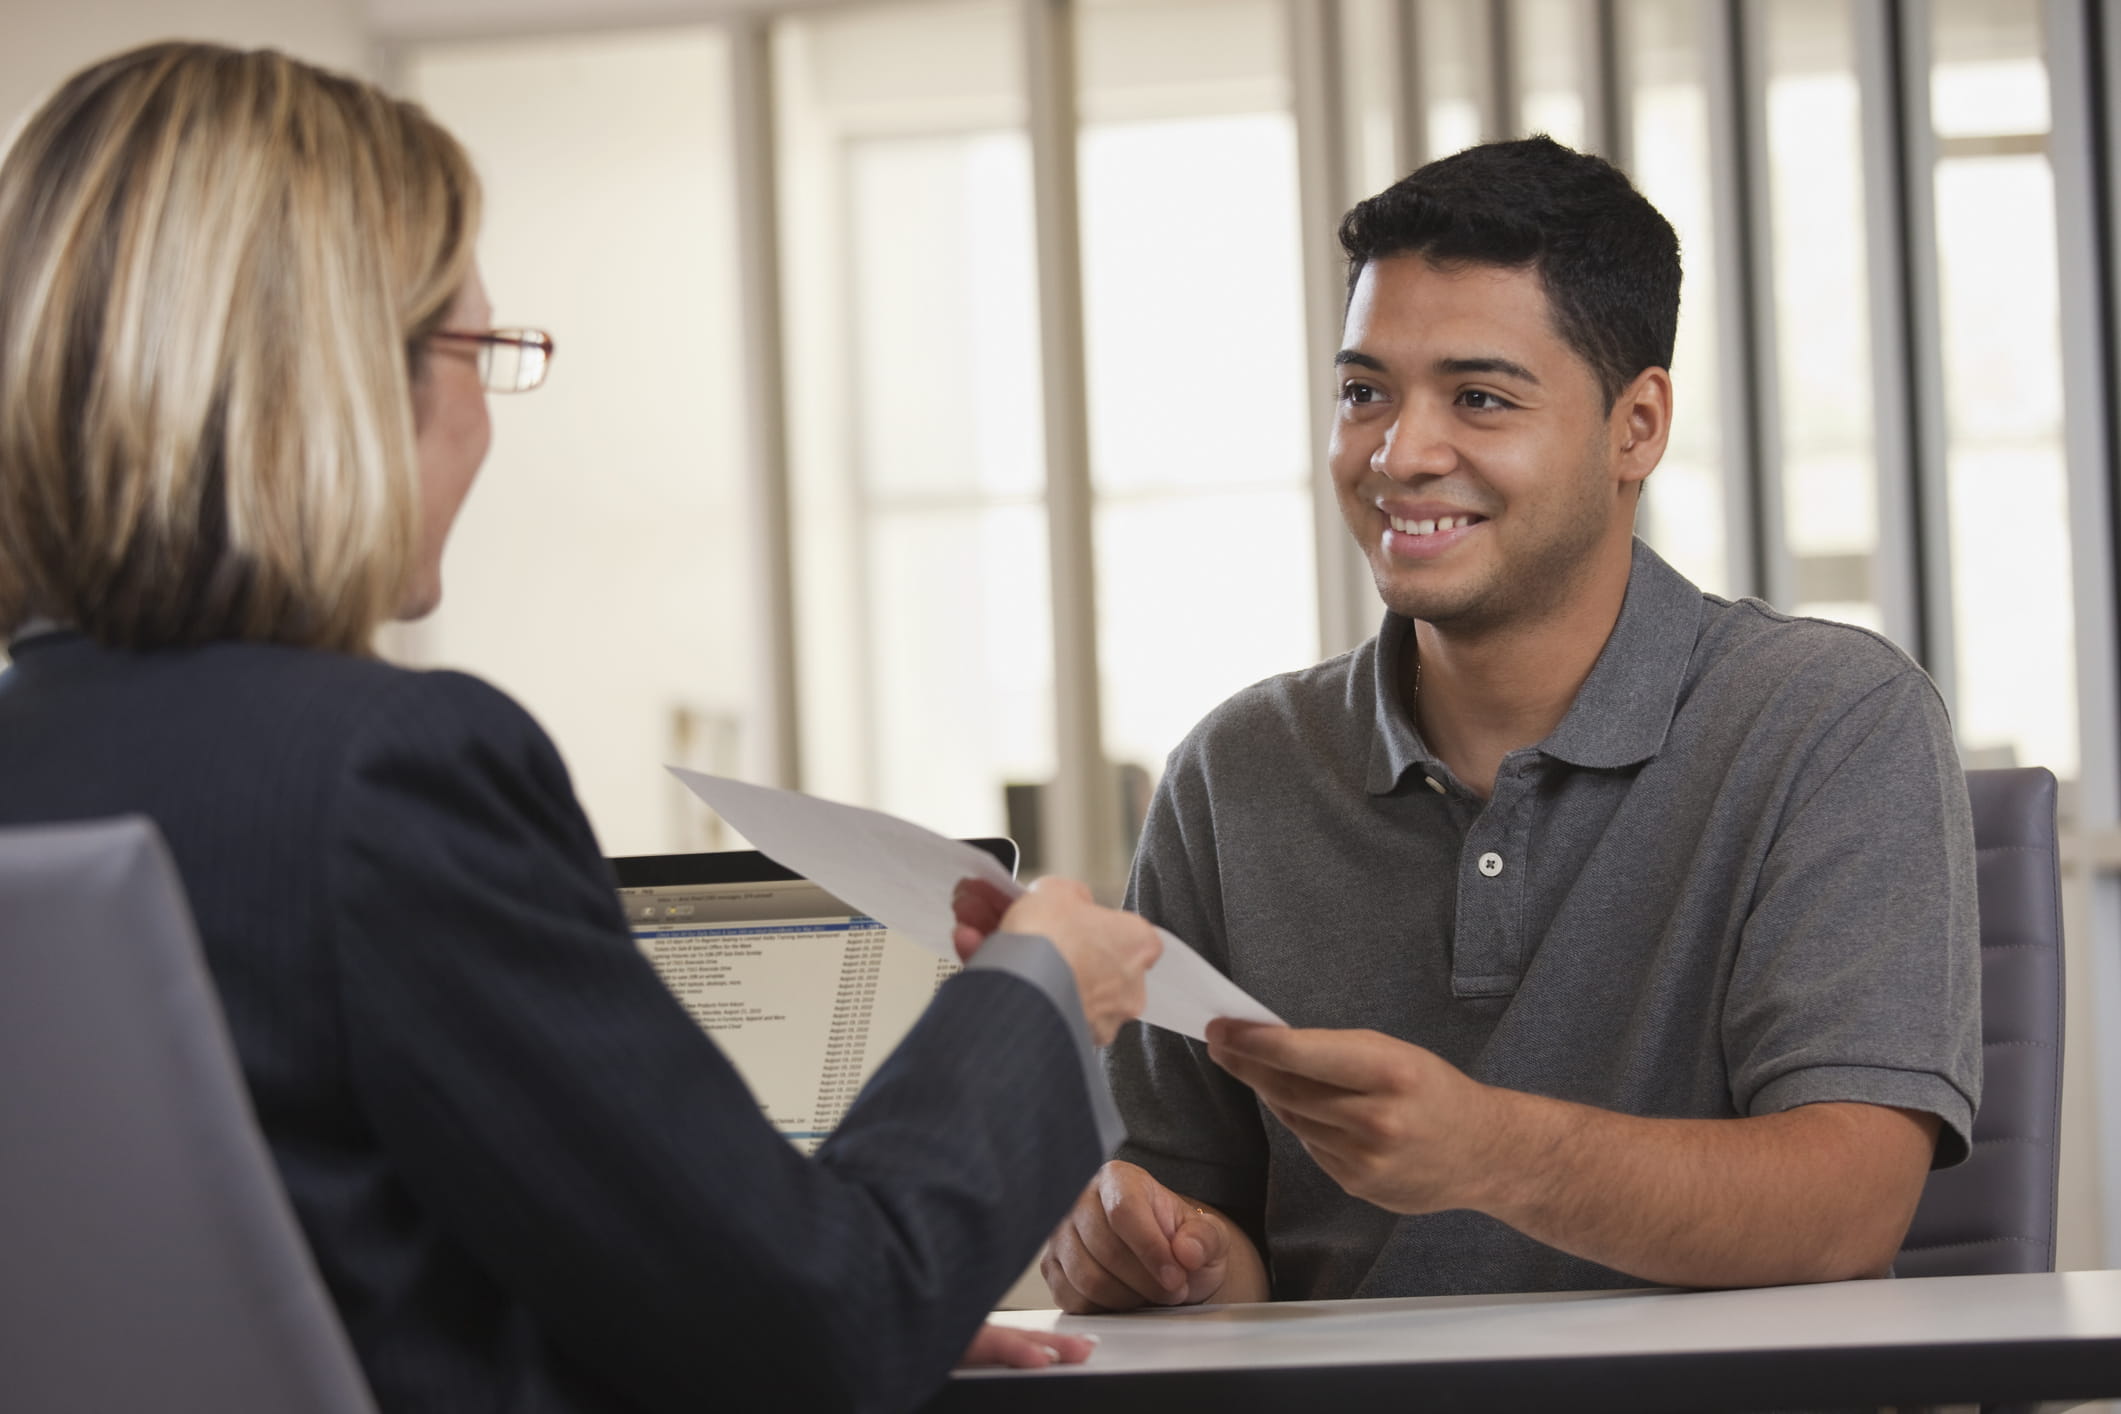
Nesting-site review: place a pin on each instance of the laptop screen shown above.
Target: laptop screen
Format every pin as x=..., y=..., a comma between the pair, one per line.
x=803, y=994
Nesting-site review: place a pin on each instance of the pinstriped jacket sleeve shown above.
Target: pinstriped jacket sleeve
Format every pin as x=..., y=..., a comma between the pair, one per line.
x=556, y=1110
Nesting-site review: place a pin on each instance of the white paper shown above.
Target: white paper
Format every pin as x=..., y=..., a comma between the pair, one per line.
x=903, y=876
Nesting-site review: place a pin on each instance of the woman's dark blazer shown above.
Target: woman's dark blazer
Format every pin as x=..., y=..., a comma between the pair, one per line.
x=530, y=1181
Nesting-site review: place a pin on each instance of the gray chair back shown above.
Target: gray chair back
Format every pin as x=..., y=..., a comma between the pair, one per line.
x=1996, y=1212
x=148, y=1256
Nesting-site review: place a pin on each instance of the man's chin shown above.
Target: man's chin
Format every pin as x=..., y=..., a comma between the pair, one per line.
x=1444, y=606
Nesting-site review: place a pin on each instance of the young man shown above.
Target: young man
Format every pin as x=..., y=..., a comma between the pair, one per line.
x=1627, y=934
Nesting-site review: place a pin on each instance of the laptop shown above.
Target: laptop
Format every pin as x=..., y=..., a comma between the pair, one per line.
x=805, y=995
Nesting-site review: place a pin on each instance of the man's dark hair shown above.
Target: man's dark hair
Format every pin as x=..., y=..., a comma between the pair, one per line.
x=1609, y=262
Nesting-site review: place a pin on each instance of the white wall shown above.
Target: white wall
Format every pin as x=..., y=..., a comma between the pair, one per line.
x=601, y=571
x=42, y=42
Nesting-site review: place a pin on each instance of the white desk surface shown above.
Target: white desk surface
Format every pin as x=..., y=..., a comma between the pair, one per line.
x=2031, y=1336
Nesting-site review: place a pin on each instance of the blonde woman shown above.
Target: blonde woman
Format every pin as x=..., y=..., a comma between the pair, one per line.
x=244, y=355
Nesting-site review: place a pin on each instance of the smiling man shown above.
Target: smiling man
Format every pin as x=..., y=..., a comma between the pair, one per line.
x=1627, y=934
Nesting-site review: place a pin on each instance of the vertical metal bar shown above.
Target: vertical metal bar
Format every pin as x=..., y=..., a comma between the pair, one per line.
x=2074, y=145
x=1746, y=451
x=1347, y=605
x=2078, y=141
x=758, y=208
x=1606, y=104
x=1922, y=345
x=1898, y=434
x=1410, y=99
x=1771, y=548
x=1081, y=817
x=1501, y=116
x=2106, y=44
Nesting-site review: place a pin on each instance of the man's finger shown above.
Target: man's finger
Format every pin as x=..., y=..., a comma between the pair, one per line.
x=1201, y=1242
x=1326, y=1143
x=1063, y=1290
x=1287, y=1090
x=1144, y=1214
x=1092, y=1280
x=1128, y=1244
x=1351, y=1060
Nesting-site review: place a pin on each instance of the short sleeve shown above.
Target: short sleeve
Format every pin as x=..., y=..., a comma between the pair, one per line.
x=1188, y=1122
x=1858, y=970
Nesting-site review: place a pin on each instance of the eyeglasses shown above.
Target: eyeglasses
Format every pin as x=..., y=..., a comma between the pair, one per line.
x=510, y=360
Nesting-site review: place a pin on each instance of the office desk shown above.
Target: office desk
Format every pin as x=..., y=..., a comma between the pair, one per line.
x=1935, y=1340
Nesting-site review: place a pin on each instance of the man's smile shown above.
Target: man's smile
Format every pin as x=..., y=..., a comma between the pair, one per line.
x=1433, y=525
x=1425, y=532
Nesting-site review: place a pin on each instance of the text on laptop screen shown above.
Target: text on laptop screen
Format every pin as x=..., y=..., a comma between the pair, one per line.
x=805, y=996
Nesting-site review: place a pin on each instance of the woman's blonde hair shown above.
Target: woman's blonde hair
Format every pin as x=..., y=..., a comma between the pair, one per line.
x=217, y=270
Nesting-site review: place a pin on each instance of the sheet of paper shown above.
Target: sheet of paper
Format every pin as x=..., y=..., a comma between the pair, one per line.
x=903, y=876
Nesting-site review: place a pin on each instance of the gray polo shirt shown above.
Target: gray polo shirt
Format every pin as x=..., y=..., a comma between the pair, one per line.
x=1737, y=878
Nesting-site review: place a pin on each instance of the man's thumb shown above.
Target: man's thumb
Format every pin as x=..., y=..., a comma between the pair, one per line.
x=1199, y=1241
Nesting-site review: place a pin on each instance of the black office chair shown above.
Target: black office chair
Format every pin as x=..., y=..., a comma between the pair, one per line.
x=148, y=1256
x=1996, y=1212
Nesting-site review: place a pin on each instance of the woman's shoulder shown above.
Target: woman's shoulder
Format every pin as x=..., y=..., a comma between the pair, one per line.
x=286, y=702
x=364, y=685
x=382, y=708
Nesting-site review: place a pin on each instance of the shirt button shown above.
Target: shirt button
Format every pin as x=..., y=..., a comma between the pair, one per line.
x=1434, y=784
x=1491, y=864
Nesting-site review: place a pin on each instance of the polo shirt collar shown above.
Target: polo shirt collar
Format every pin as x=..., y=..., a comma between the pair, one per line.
x=1622, y=711
x=1395, y=746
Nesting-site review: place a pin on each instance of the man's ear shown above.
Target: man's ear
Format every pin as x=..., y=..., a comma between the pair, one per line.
x=1639, y=425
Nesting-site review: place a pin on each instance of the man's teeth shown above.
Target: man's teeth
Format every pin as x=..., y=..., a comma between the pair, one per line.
x=1431, y=527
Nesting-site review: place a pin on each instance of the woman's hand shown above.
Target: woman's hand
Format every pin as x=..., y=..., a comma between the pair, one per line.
x=1026, y=1350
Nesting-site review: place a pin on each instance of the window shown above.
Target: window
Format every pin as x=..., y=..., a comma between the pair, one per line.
x=1815, y=178
x=923, y=582
x=1682, y=513
x=2007, y=486
x=1193, y=310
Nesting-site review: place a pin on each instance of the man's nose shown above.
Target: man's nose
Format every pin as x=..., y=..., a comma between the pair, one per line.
x=1417, y=444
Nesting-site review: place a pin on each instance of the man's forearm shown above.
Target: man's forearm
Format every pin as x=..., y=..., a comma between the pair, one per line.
x=1819, y=1193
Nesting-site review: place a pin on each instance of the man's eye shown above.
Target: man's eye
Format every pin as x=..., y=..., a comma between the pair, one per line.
x=1358, y=393
x=1481, y=401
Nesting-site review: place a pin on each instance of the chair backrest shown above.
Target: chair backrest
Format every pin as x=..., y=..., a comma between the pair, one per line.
x=1996, y=1212
x=148, y=1255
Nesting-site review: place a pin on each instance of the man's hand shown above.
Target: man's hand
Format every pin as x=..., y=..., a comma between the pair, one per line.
x=1819, y=1192
x=1026, y=1350
x=1393, y=1124
x=1109, y=951
x=1130, y=1241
